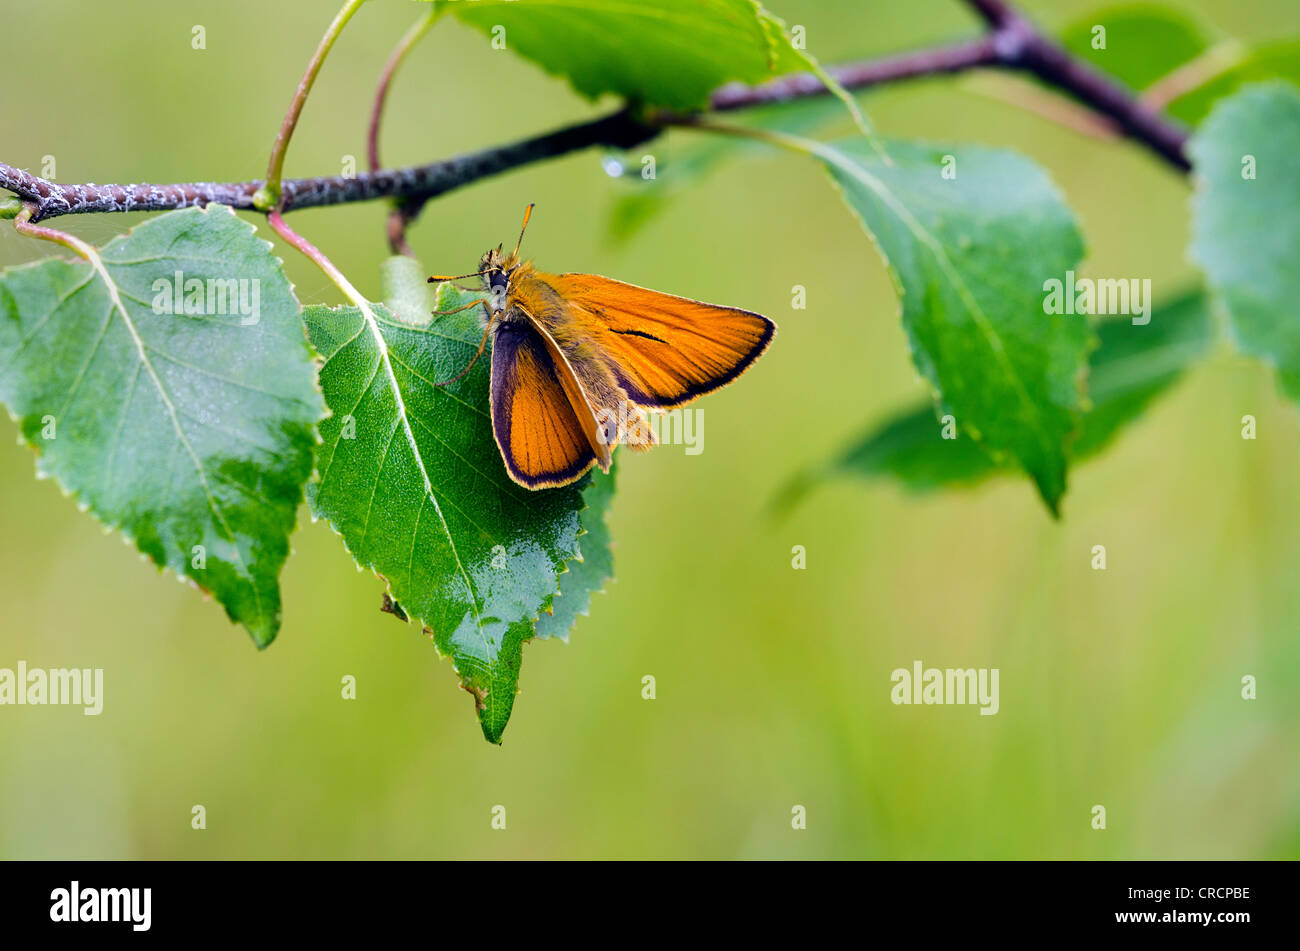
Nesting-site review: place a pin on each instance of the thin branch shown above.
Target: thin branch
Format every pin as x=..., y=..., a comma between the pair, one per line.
x=1050, y=104
x=936, y=61
x=1013, y=43
x=617, y=130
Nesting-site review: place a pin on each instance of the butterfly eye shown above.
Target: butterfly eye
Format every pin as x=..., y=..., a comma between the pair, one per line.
x=498, y=280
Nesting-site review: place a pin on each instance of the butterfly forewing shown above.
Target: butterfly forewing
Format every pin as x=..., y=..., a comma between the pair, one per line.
x=664, y=350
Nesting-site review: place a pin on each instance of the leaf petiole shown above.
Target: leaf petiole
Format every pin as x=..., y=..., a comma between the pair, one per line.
x=269, y=196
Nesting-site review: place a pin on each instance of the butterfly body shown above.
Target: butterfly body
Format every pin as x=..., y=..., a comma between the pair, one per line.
x=578, y=359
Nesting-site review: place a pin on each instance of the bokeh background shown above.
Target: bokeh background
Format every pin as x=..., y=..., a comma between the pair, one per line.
x=1119, y=688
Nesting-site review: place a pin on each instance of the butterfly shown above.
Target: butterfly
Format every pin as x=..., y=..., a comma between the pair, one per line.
x=579, y=359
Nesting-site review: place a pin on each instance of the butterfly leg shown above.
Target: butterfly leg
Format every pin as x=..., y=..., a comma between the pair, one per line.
x=478, y=353
x=457, y=310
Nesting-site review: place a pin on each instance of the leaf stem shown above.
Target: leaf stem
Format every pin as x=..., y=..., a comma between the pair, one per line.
x=397, y=218
x=1215, y=61
x=23, y=224
x=278, y=224
x=269, y=195
x=395, y=59
x=783, y=140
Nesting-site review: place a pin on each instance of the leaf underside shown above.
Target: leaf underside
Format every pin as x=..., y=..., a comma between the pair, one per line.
x=670, y=53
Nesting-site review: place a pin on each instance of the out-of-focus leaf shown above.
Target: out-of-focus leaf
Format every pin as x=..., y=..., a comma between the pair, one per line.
x=1143, y=41
x=1246, y=220
x=1280, y=60
x=1132, y=367
x=1135, y=364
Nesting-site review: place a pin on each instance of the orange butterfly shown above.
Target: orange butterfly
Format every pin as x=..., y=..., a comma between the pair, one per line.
x=577, y=359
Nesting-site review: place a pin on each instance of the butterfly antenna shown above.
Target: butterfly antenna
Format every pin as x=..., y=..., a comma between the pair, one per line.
x=528, y=213
x=481, y=344
x=437, y=278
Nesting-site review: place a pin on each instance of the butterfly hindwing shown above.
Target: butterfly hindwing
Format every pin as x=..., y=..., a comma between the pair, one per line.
x=541, y=440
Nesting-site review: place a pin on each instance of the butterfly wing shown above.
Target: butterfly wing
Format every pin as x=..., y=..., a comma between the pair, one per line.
x=539, y=435
x=664, y=350
x=580, y=401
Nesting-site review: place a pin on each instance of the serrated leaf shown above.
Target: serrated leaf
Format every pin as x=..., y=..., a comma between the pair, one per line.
x=1132, y=367
x=589, y=575
x=1246, y=220
x=1143, y=41
x=412, y=479
x=970, y=255
x=190, y=433
x=670, y=53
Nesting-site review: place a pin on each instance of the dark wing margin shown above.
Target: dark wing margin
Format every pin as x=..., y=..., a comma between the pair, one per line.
x=541, y=441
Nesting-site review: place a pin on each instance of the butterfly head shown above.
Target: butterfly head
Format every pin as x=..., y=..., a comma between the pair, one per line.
x=496, y=269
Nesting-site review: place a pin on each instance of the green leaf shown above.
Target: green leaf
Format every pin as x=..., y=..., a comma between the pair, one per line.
x=411, y=477
x=970, y=255
x=1280, y=60
x=670, y=53
x=1143, y=41
x=191, y=433
x=909, y=448
x=1132, y=366
x=406, y=289
x=589, y=574
x=1246, y=220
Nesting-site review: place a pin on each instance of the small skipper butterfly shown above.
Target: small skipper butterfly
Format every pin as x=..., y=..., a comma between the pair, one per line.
x=577, y=359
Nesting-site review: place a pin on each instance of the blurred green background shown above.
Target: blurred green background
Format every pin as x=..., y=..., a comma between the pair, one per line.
x=1119, y=688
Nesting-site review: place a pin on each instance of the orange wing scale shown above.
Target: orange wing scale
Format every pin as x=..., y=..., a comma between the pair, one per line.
x=542, y=441
x=664, y=350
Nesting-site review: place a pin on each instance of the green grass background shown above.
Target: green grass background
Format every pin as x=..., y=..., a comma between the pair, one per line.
x=1118, y=688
